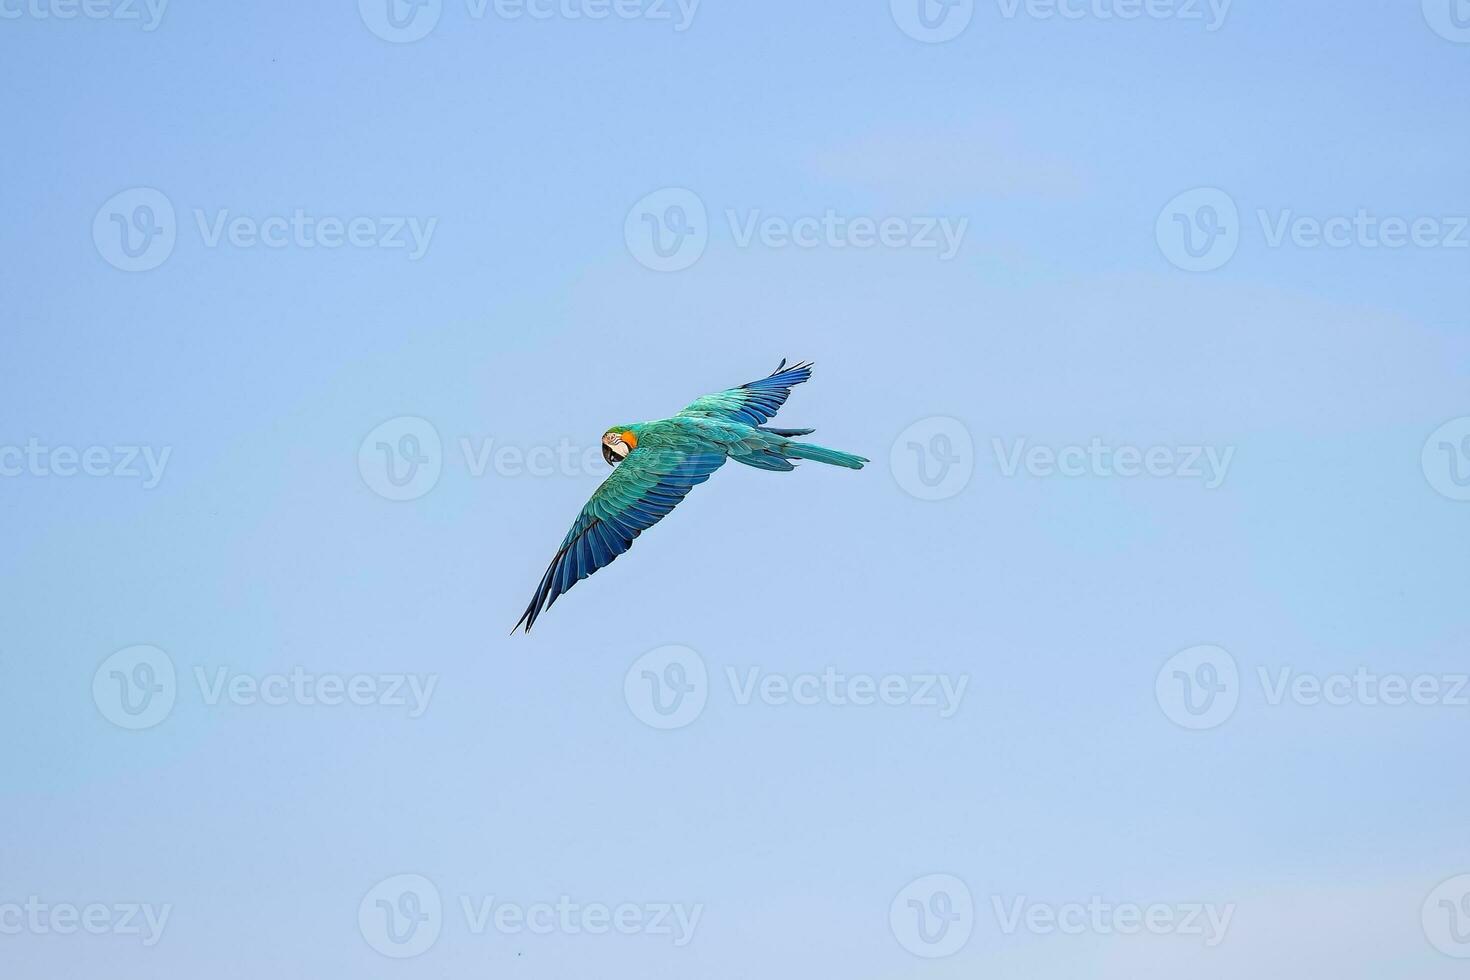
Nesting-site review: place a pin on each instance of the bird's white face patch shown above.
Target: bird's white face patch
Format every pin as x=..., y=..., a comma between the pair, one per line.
x=614, y=449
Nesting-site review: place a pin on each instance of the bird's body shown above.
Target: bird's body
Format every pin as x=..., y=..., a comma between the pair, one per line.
x=656, y=463
x=766, y=449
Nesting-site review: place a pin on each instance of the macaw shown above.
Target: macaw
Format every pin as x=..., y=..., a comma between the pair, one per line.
x=656, y=463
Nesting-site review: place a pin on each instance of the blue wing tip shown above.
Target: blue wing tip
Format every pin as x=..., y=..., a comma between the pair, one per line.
x=798, y=366
x=784, y=376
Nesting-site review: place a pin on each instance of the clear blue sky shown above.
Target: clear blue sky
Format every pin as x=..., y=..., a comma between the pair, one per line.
x=518, y=146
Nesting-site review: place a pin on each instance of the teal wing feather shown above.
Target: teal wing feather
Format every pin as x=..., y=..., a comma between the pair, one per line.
x=639, y=492
x=753, y=403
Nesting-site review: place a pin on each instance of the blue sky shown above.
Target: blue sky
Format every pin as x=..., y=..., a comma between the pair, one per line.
x=351, y=238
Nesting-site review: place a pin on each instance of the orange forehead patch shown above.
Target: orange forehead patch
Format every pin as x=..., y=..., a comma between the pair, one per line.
x=630, y=439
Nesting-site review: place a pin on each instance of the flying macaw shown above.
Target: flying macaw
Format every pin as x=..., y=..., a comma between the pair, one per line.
x=657, y=463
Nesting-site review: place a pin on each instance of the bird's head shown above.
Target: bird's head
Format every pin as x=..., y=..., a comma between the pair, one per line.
x=617, y=443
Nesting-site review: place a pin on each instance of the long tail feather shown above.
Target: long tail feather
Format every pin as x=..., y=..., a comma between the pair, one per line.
x=821, y=454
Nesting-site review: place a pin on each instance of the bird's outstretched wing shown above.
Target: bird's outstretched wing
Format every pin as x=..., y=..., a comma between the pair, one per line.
x=639, y=492
x=754, y=403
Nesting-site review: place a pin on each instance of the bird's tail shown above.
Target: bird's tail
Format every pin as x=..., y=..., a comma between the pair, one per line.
x=821, y=454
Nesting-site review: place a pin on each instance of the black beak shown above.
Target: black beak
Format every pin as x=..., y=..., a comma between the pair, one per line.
x=607, y=454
